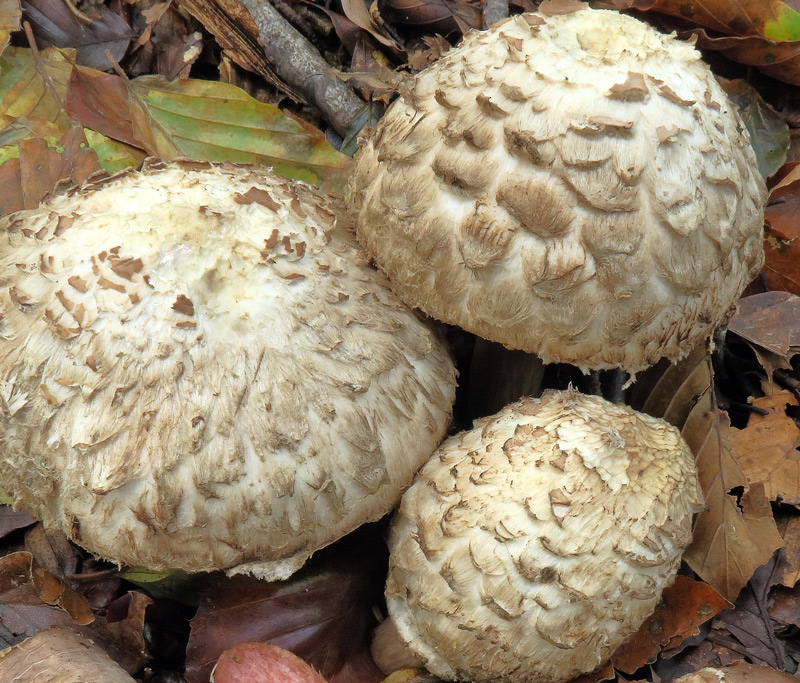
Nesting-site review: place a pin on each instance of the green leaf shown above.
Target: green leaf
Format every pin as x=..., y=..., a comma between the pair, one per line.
x=112, y=154
x=213, y=121
x=173, y=585
x=769, y=134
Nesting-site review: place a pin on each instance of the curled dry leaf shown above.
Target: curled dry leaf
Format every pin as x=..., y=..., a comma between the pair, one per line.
x=59, y=655
x=770, y=321
x=22, y=582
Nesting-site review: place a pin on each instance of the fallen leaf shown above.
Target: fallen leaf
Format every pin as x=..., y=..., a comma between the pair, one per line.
x=747, y=629
x=211, y=121
x=684, y=606
x=778, y=59
x=122, y=634
x=10, y=519
x=769, y=133
x=23, y=90
x=771, y=19
x=22, y=582
x=51, y=551
x=357, y=12
x=55, y=25
x=670, y=390
x=740, y=672
x=323, y=613
x=784, y=607
x=38, y=658
x=767, y=448
x=729, y=542
x=262, y=663
x=770, y=320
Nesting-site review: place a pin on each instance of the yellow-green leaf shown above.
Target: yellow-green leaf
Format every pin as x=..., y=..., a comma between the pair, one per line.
x=219, y=122
x=10, y=16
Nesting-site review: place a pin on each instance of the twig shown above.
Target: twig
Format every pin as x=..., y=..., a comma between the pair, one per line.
x=299, y=64
x=80, y=16
x=494, y=11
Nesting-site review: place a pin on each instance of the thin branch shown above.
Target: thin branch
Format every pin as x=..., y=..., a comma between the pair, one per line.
x=298, y=63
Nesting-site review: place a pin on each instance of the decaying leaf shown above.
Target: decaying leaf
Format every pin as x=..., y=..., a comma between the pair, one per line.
x=747, y=629
x=11, y=520
x=323, y=613
x=729, y=541
x=55, y=25
x=59, y=655
x=684, y=606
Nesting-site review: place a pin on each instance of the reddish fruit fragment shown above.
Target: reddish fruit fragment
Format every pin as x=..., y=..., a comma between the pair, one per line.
x=262, y=663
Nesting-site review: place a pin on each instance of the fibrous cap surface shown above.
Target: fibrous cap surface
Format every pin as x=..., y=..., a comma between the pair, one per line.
x=199, y=369
x=530, y=547
x=577, y=186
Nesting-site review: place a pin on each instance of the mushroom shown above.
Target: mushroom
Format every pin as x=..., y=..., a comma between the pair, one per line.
x=530, y=547
x=200, y=370
x=575, y=185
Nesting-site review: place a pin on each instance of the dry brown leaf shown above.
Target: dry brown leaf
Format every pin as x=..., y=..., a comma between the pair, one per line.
x=767, y=449
x=770, y=320
x=357, y=12
x=729, y=542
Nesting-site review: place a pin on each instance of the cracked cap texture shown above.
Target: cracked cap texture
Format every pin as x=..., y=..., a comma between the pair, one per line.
x=530, y=547
x=577, y=186
x=199, y=370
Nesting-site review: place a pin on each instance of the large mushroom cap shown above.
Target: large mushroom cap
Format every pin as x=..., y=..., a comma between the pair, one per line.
x=530, y=547
x=198, y=369
x=577, y=186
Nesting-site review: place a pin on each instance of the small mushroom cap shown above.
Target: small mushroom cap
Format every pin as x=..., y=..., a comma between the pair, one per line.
x=577, y=186
x=530, y=547
x=200, y=370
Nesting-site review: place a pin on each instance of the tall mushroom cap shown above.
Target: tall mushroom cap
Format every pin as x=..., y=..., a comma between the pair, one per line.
x=530, y=547
x=200, y=370
x=577, y=186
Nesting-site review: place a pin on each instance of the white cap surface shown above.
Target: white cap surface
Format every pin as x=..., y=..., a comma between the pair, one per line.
x=199, y=370
x=530, y=547
x=577, y=186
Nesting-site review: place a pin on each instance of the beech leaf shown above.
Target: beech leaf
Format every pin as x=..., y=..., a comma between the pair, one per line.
x=729, y=541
